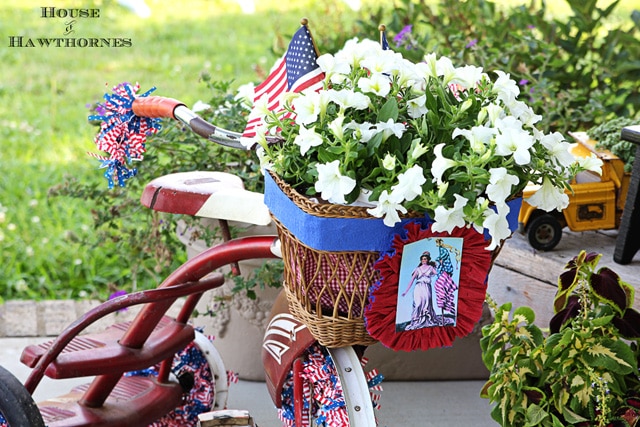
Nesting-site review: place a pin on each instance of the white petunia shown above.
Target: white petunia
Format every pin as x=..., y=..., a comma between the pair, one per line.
x=548, y=197
x=409, y=184
x=505, y=87
x=516, y=142
x=331, y=184
x=479, y=137
x=494, y=112
x=334, y=68
x=307, y=108
x=440, y=164
x=389, y=128
x=389, y=162
x=429, y=65
x=445, y=69
x=388, y=209
x=497, y=225
x=363, y=131
x=559, y=148
x=446, y=219
x=591, y=163
x=524, y=113
x=416, y=107
x=467, y=76
x=355, y=50
x=307, y=138
x=245, y=95
x=377, y=84
x=385, y=62
x=500, y=185
x=336, y=127
x=349, y=99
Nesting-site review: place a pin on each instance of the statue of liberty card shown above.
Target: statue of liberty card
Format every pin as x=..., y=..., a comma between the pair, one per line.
x=429, y=283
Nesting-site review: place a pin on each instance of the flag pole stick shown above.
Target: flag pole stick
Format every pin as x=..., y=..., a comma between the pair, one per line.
x=382, y=28
x=305, y=23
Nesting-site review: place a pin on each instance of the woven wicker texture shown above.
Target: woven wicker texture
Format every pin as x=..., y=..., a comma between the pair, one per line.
x=327, y=291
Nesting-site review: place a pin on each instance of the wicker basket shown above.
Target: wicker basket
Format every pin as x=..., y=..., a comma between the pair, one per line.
x=327, y=290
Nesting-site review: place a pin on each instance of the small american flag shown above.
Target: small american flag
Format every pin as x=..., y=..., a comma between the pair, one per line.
x=383, y=39
x=295, y=71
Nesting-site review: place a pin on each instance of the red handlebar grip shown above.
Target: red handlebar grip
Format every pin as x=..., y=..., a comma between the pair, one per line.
x=155, y=107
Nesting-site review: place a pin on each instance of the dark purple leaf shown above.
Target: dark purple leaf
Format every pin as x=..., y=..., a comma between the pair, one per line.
x=629, y=324
x=561, y=318
x=567, y=279
x=605, y=285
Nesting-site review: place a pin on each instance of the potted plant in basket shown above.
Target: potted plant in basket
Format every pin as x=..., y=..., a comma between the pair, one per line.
x=583, y=371
x=427, y=137
x=392, y=142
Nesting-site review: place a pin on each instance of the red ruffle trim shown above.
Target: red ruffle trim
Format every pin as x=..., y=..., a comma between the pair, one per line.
x=380, y=313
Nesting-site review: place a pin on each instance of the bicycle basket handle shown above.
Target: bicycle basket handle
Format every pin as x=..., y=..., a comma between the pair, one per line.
x=155, y=107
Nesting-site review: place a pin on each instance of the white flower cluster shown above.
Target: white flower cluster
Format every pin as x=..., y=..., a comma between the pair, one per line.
x=430, y=136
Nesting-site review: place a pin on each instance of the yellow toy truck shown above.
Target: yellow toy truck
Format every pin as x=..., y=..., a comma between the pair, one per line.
x=596, y=202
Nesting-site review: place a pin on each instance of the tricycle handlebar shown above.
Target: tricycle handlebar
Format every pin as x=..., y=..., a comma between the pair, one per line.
x=161, y=107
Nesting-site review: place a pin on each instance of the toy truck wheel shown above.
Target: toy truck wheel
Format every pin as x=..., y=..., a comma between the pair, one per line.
x=544, y=232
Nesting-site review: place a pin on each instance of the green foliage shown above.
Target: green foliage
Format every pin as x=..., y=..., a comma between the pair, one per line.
x=268, y=275
x=607, y=136
x=577, y=70
x=145, y=238
x=585, y=370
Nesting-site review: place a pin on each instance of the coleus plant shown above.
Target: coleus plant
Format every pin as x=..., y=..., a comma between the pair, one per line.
x=583, y=371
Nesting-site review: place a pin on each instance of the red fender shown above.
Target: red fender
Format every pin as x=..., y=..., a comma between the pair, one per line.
x=285, y=339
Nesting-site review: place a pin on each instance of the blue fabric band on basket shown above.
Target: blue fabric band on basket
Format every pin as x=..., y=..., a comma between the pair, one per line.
x=343, y=234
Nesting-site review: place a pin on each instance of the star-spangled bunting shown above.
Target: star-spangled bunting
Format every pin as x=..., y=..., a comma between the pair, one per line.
x=295, y=71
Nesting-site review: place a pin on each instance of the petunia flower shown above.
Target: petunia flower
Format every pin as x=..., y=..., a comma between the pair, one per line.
x=336, y=127
x=349, y=99
x=378, y=84
x=591, y=163
x=497, y=225
x=548, y=197
x=440, y=164
x=389, y=162
x=445, y=69
x=389, y=128
x=409, y=184
x=307, y=138
x=334, y=68
x=387, y=208
x=500, y=185
x=467, y=77
x=331, y=184
x=479, y=137
x=416, y=107
x=446, y=219
x=307, y=108
x=516, y=142
x=505, y=87
x=559, y=148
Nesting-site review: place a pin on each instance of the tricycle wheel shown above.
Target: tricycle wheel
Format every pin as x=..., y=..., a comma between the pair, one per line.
x=544, y=232
x=16, y=404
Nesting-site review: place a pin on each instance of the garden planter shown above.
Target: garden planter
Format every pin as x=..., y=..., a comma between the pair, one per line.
x=239, y=324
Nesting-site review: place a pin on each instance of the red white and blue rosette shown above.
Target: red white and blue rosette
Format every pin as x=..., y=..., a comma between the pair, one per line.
x=122, y=135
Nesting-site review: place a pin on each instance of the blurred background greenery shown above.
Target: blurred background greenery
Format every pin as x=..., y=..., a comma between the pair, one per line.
x=63, y=234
